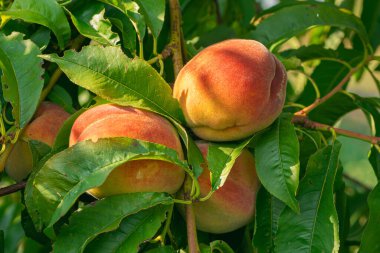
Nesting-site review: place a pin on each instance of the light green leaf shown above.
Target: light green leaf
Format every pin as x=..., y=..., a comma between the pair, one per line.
x=44, y=12
x=110, y=74
x=295, y=18
x=22, y=80
x=132, y=231
x=88, y=18
x=315, y=229
x=370, y=239
x=154, y=14
x=68, y=174
x=104, y=216
x=131, y=10
x=277, y=161
x=221, y=158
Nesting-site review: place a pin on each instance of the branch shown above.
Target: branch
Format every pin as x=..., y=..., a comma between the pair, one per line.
x=307, y=123
x=12, y=188
x=175, y=36
x=337, y=88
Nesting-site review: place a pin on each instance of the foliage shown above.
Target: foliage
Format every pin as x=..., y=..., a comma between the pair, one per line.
x=81, y=53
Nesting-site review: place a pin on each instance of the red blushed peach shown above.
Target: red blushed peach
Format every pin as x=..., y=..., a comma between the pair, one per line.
x=135, y=176
x=45, y=126
x=231, y=90
x=231, y=206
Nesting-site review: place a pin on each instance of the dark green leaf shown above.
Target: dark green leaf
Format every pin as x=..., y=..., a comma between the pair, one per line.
x=111, y=75
x=374, y=159
x=277, y=161
x=154, y=14
x=220, y=159
x=165, y=249
x=220, y=246
x=334, y=108
x=41, y=38
x=128, y=33
x=60, y=96
x=62, y=140
x=268, y=210
x=370, y=239
x=68, y=174
x=22, y=81
x=315, y=229
x=132, y=231
x=296, y=18
x=104, y=216
x=44, y=12
x=370, y=17
x=88, y=18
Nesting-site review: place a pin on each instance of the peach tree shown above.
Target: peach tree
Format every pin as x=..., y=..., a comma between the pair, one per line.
x=302, y=177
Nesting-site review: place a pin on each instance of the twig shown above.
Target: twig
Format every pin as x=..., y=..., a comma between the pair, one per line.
x=337, y=88
x=12, y=188
x=175, y=36
x=307, y=123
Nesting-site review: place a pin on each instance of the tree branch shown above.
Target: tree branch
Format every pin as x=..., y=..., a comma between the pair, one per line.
x=307, y=123
x=12, y=188
x=337, y=88
x=175, y=36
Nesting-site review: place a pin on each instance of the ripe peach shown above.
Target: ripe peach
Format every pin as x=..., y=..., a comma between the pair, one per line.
x=135, y=176
x=231, y=90
x=231, y=206
x=45, y=126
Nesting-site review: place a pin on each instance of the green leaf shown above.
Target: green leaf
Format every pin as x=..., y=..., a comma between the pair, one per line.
x=370, y=240
x=374, y=159
x=277, y=161
x=165, y=249
x=334, y=108
x=132, y=231
x=66, y=175
x=113, y=76
x=268, y=210
x=220, y=159
x=128, y=33
x=41, y=38
x=44, y=12
x=60, y=96
x=104, y=216
x=296, y=18
x=194, y=155
x=62, y=139
x=88, y=18
x=370, y=18
x=220, y=246
x=315, y=229
x=154, y=14
x=22, y=81
x=130, y=9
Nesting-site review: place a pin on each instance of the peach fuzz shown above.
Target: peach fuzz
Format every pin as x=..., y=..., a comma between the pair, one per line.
x=110, y=120
x=44, y=127
x=231, y=90
x=232, y=206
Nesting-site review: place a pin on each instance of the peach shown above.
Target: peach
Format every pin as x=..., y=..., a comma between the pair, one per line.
x=231, y=90
x=44, y=127
x=232, y=206
x=147, y=175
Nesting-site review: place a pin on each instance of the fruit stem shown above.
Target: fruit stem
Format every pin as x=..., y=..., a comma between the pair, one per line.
x=307, y=123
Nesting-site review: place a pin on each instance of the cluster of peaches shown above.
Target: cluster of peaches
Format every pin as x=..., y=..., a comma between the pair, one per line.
x=227, y=92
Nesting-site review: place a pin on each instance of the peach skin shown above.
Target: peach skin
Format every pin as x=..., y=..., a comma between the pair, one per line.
x=231, y=90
